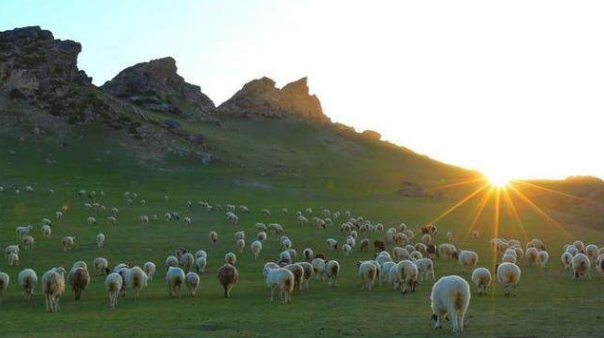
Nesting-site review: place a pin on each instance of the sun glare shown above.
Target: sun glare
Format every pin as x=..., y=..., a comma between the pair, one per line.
x=499, y=180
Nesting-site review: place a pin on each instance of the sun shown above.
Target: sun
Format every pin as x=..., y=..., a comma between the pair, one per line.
x=499, y=180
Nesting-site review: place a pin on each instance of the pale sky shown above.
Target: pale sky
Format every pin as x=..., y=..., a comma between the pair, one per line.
x=510, y=88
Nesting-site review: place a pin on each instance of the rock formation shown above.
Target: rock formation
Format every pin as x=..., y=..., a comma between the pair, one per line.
x=261, y=98
x=156, y=86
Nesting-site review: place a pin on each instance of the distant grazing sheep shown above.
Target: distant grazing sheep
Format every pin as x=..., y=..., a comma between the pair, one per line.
x=149, y=268
x=46, y=231
x=468, y=259
x=101, y=265
x=213, y=237
x=100, y=240
x=68, y=242
x=256, y=248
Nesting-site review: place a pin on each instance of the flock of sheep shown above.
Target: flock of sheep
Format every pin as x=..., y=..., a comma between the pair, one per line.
x=411, y=259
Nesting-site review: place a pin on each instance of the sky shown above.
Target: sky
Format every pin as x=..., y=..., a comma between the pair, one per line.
x=514, y=89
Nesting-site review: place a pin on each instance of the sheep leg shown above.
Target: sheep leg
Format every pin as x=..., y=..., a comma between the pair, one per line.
x=454, y=321
x=272, y=294
x=461, y=319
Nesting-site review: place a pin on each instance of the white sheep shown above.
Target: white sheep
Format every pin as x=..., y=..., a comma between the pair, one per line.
x=468, y=259
x=21, y=231
x=256, y=248
x=213, y=237
x=508, y=274
x=346, y=249
x=200, y=264
x=136, y=279
x=262, y=236
x=319, y=265
x=592, y=252
x=407, y=274
x=400, y=253
x=367, y=273
x=113, y=285
x=332, y=244
x=175, y=277
x=201, y=253
x=171, y=261
x=581, y=266
x=101, y=265
x=481, y=277
x=149, y=268
x=192, y=281
x=13, y=259
x=230, y=258
x=566, y=259
x=543, y=258
x=446, y=250
x=425, y=268
x=261, y=226
x=308, y=254
x=187, y=260
x=532, y=255
x=450, y=295
x=283, y=279
x=53, y=286
x=27, y=242
x=68, y=242
x=46, y=231
x=28, y=280
x=241, y=245
x=580, y=246
x=100, y=240
x=91, y=220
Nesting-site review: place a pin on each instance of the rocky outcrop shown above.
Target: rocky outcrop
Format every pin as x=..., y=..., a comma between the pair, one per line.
x=262, y=98
x=156, y=86
x=372, y=135
x=33, y=65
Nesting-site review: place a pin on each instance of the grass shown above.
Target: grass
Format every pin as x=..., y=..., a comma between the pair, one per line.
x=324, y=169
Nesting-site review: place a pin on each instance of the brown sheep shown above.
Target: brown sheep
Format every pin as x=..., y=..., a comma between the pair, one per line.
x=228, y=277
x=365, y=244
x=298, y=272
x=379, y=246
x=79, y=280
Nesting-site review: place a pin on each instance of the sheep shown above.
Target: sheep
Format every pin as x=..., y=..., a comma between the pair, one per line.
x=535, y=243
x=400, y=253
x=600, y=264
x=265, y=212
x=68, y=242
x=275, y=228
x=309, y=272
x=298, y=272
x=200, y=264
x=450, y=295
x=509, y=258
x=286, y=243
x=213, y=237
x=571, y=249
x=447, y=250
x=256, y=248
x=468, y=259
x=79, y=280
x=241, y=245
x=581, y=266
x=4, y=280
x=101, y=265
x=100, y=240
x=46, y=231
x=27, y=242
x=192, y=281
x=426, y=239
x=421, y=248
x=232, y=218
x=201, y=253
x=23, y=230
x=543, y=258
x=261, y=226
x=319, y=265
x=171, y=261
x=149, y=268
x=175, y=278
x=308, y=254
x=425, y=268
x=331, y=272
x=187, y=221
x=332, y=244
x=351, y=240
x=13, y=259
x=346, y=249
x=592, y=252
x=580, y=246
x=136, y=279
x=532, y=255
x=283, y=279
x=449, y=236
x=228, y=277
x=230, y=258
x=28, y=280
x=508, y=274
x=187, y=261
x=59, y=214
x=239, y=235
x=168, y=216
x=367, y=274
x=407, y=275
x=481, y=277
x=365, y=244
x=386, y=271
x=113, y=285
x=91, y=220
x=285, y=258
x=566, y=259
x=262, y=236
x=53, y=286
x=475, y=234
x=383, y=257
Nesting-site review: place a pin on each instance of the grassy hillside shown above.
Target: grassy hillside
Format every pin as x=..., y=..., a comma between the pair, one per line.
x=265, y=164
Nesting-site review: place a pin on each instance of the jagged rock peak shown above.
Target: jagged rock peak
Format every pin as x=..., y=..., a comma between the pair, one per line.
x=156, y=85
x=34, y=63
x=261, y=97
